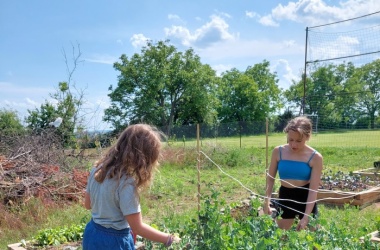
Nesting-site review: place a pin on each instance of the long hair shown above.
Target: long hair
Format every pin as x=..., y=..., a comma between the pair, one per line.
x=135, y=154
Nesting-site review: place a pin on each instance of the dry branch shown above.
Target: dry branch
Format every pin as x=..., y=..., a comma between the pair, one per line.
x=31, y=166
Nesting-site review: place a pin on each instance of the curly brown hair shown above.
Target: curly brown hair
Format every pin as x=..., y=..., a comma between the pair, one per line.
x=135, y=154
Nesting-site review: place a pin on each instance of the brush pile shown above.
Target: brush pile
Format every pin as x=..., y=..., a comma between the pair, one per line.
x=37, y=166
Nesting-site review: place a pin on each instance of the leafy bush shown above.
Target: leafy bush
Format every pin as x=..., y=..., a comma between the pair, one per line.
x=216, y=229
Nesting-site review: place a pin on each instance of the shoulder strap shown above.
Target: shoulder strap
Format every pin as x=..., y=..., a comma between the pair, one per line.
x=311, y=157
x=280, y=151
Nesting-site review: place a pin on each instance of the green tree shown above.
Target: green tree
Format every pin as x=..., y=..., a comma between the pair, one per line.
x=327, y=94
x=269, y=94
x=10, y=123
x=39, y=118
x=65, y=109
x=345, y=94
x=161, y=86
x=367, y=80
x=66, y=105
x=239, y=97
x=250, y=95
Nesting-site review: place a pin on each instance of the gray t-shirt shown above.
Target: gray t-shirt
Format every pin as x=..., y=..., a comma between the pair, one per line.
x=111, y=201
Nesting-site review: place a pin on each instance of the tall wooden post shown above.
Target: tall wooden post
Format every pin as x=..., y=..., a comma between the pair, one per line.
x=199, y=170
x=266, y=143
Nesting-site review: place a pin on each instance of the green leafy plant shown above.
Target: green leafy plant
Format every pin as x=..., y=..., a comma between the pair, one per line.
x=216, y=229
x=57, y=236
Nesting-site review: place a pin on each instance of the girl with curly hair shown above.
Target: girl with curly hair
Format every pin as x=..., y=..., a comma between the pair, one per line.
x=113, y=187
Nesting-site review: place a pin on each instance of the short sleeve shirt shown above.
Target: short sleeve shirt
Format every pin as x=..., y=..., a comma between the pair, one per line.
x=111, y=200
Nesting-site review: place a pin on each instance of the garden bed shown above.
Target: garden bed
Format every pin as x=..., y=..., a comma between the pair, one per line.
x=372, y=173
x=355, y=188
x=361, y=199
x=339, y=198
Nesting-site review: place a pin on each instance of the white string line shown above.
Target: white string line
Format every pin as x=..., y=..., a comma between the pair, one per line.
x=221, y=170
x=328, y=198
x=346, y=194
x=251, y=190
x=310, y=217
x=279, y=199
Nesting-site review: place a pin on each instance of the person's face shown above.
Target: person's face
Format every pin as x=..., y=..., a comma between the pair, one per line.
x=296, y=141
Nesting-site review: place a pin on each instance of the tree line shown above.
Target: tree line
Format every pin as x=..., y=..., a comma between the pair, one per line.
x=171, y=88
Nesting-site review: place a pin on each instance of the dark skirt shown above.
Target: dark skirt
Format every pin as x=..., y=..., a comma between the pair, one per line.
x=97, y=237
x=288, y=209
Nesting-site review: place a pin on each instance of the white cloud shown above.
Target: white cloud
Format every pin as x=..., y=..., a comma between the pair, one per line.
x=138, y=40
x=251, y=14
x=268, y=21
x=243, y=49
x=103, y=104
x=181, y=33
x=20, y=105
x=210, y=33
x=94, y=111
x=289, y=43
x=10, y=88
x=340, y=47
x=285, y=73
x=17, y=105
x=176, y=18
x=173, y=17
x=220, y=13
x=243, y=53
x=31, y=102
x=220, y=68
x=317, y=12
x=53, y=102
x=119, y=41
x=103, y=59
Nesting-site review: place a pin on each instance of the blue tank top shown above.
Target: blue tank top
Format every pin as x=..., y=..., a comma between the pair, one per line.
x=294, y=170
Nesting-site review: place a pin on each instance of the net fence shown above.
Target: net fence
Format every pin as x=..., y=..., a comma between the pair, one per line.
x=342, y=74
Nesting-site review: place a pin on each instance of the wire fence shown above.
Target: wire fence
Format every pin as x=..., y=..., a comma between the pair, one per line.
x=248, y=134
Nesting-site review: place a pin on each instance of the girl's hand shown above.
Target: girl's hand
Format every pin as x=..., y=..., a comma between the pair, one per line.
x=173, y=238
x=267, y=209
x=176, y=239
x=303, y=224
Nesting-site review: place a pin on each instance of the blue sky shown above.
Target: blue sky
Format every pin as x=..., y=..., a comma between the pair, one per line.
x=225, y=34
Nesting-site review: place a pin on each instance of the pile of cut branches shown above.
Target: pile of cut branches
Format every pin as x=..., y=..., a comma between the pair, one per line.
x=35, y=166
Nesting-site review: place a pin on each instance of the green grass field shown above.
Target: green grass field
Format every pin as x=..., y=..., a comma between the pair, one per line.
x=345, y=139
x=345, y=151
